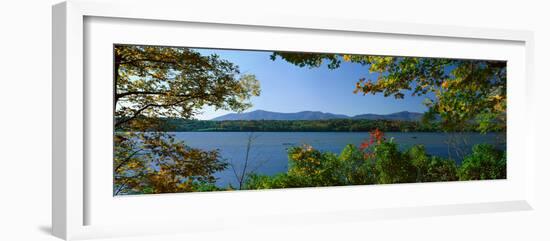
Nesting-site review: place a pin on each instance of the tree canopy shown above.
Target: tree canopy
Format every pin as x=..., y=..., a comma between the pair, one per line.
x=176, y=82
x=151, y=83
x=465, y=90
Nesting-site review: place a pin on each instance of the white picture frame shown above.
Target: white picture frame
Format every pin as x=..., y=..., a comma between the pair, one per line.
x=78, y=195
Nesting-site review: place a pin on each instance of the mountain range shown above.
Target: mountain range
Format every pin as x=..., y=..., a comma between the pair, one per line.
x=316, y=115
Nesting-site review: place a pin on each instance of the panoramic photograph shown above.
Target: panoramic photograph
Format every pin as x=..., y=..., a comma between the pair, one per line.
x=198, y=119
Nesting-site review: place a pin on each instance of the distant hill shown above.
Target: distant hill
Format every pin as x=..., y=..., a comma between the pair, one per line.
x=268, y=115
x=316, y=115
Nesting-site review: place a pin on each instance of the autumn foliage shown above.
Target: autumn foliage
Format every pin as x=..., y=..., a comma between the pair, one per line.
x=155, y=85
x=380, y=161
x=153, y=82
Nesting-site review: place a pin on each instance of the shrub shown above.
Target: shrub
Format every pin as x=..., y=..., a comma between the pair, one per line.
x=440, y=170
x=282, y=180
x=485, y=162
x=205, y=187
x=332, y=172
x=256, y=181
x=431, y=168
x=355, y=168
x=304, y=161
x=311, y=168
x=420, y=160
x=383, y=164
x=393, y=166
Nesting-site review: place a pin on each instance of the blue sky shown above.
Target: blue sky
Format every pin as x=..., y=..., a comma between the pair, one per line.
x=289, y=88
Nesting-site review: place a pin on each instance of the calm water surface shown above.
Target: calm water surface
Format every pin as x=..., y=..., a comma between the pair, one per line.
x=268, y=153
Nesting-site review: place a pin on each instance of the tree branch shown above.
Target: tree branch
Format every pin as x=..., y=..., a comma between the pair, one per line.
x=149, y=60
x=140, y=110
x=127, y=159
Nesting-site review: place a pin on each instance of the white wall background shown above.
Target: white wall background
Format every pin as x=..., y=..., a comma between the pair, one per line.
x=25, y=119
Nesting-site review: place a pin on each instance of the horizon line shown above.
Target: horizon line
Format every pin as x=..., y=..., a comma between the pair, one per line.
x=245, y=112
